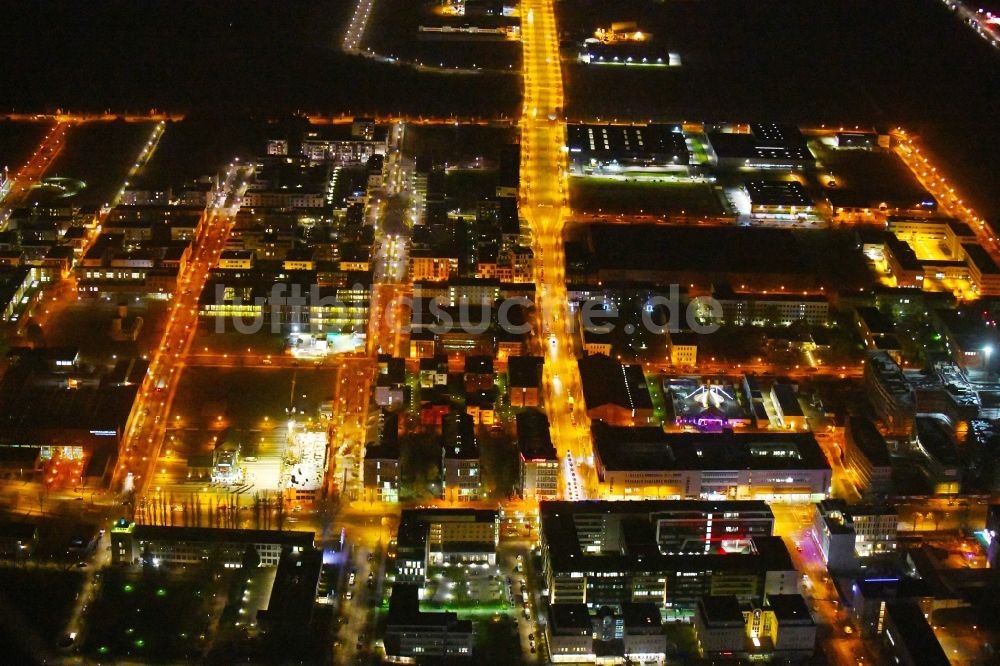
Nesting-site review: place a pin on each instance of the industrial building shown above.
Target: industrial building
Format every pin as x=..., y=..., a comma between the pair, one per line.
x=765, y=146
x=607, y=147
x=614, y=392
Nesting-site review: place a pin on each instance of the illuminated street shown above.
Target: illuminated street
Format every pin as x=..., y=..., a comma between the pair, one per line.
x=543, y=195
x=29, y=175
x=144, y=434
x=500, y=333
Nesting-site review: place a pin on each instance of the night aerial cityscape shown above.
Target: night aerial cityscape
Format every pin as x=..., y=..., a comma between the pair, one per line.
x=500, y=332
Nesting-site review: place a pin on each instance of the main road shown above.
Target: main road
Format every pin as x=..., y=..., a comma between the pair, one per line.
x=544, y=206
x=147, y=425
x=31, y=173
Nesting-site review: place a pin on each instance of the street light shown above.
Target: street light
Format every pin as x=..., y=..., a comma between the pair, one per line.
x=987, y=351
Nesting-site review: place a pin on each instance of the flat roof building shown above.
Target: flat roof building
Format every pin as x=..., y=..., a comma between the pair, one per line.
x=411, y=633
x=668, y=526
x=908, y=637
x=461, y=477
x=866, y=454
x=631, y=568
x=162, y=545
x=780, y=628
x=614, y=392
x=434, y=537
x=766, y=146
x=845, y=533
x=654, y=145
x=984, y=272
x=890, y=395
x=647, y=463
x=778, y=197
x=381, y=466
x=539, y=463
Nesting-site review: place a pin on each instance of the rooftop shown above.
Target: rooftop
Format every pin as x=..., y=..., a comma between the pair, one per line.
x=628, y=142
x=639, y=449
x=777, y=193
x=566, y=554
x=534, y=440
x=705, y=250
x=223, y=535
x=721, y=609
x=606, y=381
x=790, y=609
x=916, y=634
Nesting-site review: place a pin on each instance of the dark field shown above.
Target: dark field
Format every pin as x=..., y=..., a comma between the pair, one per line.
x=875, y=176
x=241, y=55
x=35, y=605
x=393, y=31
x=18, y=141
x=629, y=198
x=830, y=61
x=201, y=145
x=98, y=154
x=244, y=397
x=453, y=143
x=153, y=616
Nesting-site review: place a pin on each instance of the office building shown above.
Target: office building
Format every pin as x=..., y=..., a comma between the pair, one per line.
x=634, y=634
x=161, y=545
x=434, y=537
x=968, y=337
x=845, y=533
x=676, y=526
x=428, y=266
x=381, y=466
x=868, y=599
x=785, y=400
x=461, y=478
x=908, y=639
x=779, y=629
x=890, y=395
x=538, y=460
x=647, y=463
x=524, y=380
x=771, y=309
x=413, y=634
x=866, y=456
x=983, y=271
x=633, y=568
x=682, y=347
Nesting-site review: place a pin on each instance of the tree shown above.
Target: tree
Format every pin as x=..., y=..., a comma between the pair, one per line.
x=251, y=558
